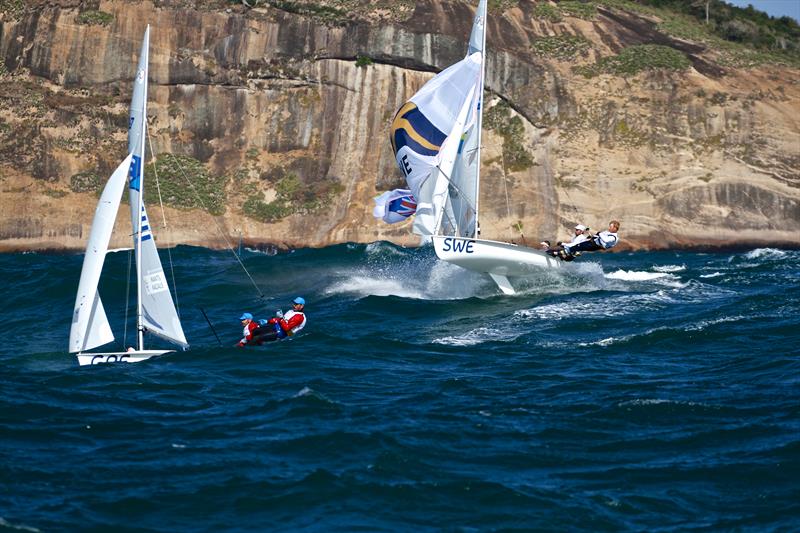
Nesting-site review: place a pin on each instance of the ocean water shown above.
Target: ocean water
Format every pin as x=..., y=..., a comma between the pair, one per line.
x=630, y=391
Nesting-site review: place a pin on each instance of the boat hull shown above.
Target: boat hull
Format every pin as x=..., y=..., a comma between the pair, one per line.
x=498, y=259
x=85, y=359
x=492, y=257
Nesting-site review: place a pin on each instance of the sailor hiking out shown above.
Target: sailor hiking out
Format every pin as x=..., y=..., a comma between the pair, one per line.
x=281, y=326
x=586, y=242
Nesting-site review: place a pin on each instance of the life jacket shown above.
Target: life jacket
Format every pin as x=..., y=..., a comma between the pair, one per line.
x=606, y=239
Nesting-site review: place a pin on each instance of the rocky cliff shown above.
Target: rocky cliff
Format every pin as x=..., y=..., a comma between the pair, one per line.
x=270, y=123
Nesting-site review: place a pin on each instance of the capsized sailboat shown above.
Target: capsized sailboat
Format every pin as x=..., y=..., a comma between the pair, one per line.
x=436, y=138
x=155, y=310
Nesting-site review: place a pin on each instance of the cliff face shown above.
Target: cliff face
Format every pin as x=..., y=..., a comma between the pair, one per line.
x=289, y=115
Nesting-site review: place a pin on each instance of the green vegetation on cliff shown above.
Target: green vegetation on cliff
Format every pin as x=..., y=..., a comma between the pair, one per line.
x=87, y=181
x=635, y=59
x=565, y=46
x=95, y=17
x=291, y=196
x=744, y=37
x=12, y=8
x=174, y=173
x=515, y=156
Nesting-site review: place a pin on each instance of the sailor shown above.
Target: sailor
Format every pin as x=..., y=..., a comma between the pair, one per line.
x=601, y=241
x=249, y=326
x=282, y=325
x=581, y=235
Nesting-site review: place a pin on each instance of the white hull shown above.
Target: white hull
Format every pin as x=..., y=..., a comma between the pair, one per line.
x=118, y=357
x=498, y=259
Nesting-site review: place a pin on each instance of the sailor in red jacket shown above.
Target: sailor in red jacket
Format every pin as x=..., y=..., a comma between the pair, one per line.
x=250, y=326
x=282, y=325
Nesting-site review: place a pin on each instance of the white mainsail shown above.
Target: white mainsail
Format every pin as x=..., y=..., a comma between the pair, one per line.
x=421, y=127
x=90, y=326
x=157, y=312
x=465, y=179
x=445, y=176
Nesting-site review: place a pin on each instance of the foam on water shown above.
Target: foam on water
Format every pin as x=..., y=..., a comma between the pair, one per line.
x=628, y=275
x=479, y=336
x=614, y=306
x=766, y=253
x=364, y=284
x=669, y=268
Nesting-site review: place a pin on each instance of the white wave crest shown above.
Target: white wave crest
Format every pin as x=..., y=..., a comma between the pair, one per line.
x=712, y=275
x=383, y=248
x=669, y=268
x=374, y=286
x=632, y=275
x=416, y=279
x=614, y=306
x=703, y=324
x=478, y=336
x=768, y=253
x=20, y=527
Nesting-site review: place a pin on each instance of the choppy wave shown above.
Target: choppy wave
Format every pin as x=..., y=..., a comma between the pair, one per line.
x=669, y=268
x=622, y=392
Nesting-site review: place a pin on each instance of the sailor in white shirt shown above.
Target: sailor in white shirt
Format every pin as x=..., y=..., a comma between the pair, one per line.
x=602, y=241
x=581, y=234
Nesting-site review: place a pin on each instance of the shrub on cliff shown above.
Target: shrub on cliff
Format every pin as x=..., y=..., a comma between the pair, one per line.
x=12, y=8
x=578, y=8
x=560, y=46
x=548, y=12
x=95, y=17
x=515, y=156
x=185, y=183
x=635, y=59
x=292, y=196
x=85, y=182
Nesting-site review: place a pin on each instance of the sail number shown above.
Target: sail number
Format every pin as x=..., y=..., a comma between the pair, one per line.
x=458, y=245
x=109, y=358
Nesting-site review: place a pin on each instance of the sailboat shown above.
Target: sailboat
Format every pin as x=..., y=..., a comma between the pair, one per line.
x=155, y=310
x=436, y=138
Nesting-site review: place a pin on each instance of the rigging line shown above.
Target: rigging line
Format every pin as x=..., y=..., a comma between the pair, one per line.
x=219, y=229
x=163, y=218
x=505, y=187
x=461, y=195
x=211, y=326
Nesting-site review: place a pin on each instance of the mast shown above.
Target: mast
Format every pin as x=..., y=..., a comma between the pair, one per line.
x=480, y=22
x=139, y=326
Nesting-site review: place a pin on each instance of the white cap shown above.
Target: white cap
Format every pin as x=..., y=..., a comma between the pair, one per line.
x=581, y=227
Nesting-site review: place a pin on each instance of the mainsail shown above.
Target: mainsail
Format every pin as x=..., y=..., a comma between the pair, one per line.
x=465, y=179
x=445, y=111
x=156, y=310
x=90, y=326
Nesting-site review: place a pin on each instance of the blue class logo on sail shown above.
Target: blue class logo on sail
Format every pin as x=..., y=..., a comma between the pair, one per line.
x=458, y=245
x=135, y=172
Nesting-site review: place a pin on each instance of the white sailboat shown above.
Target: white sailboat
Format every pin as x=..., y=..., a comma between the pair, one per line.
x=156, y=312
x=436, y=137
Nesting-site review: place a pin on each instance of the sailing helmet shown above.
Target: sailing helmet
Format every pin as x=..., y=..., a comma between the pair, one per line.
x=246, y=316
x=299, y=300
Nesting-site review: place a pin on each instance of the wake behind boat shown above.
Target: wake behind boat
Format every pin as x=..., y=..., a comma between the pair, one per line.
x=436, y=137
x=156, y=311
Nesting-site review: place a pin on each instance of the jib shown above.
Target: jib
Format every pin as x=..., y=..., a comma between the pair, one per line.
x=457, y=245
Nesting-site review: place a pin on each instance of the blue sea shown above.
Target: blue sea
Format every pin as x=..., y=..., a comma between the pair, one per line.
x=629, y=391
